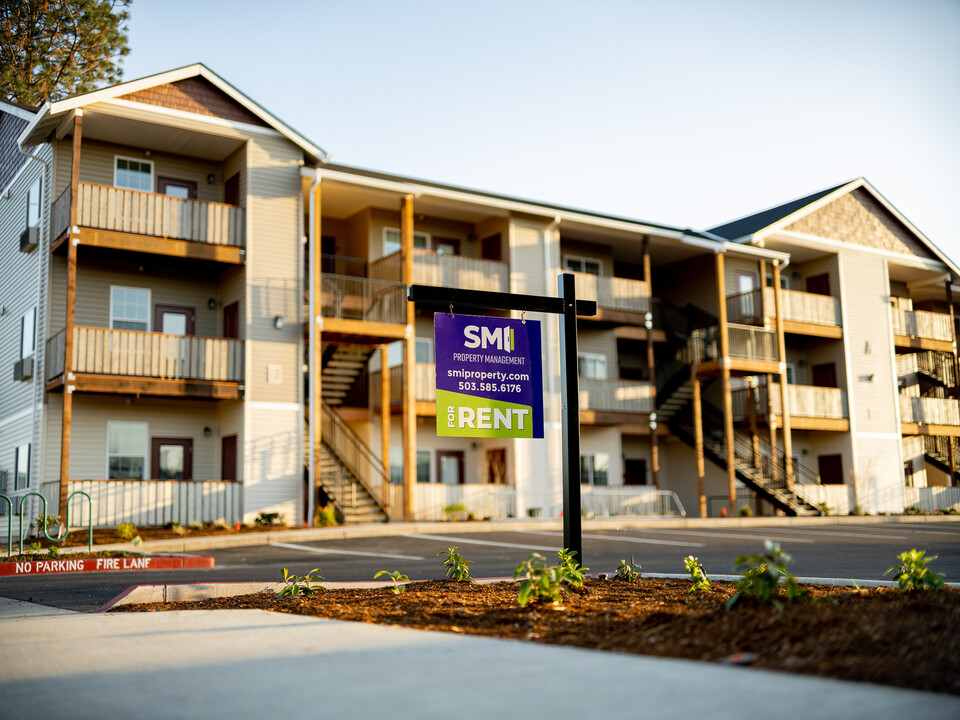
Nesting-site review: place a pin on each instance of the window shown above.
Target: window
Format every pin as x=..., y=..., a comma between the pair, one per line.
x=583, y=265
x=126, y=450
x=791, y=374
x=595, y=469
x=423, y=347
x=396, y=466
x=33, y=204
x=28, y=333
x=592, y=365
x=391, y=241
x=133, y=174
x=21, y=473
x=424, y=350
x=129, y=308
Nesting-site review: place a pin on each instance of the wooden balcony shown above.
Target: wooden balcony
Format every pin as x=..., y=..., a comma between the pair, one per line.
x=807, y=313
x=929, y=416
x=922, y=330
x=936, y=365
x=130, y=361
x=425, y=384
x=811, y=407
x=611, y=402
x=444, y=270
x=614, y=296
x=120, y=219
x=362, y=311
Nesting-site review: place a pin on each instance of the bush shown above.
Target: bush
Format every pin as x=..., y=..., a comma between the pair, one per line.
x=745, y=511
x=763, y=577
x=455, y=511
x=325, y=516
x=125, y=531
x=268, y=519
x=913, y=573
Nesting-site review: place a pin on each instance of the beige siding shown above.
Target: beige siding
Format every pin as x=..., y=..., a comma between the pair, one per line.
x=380, y=219
x=798, y=274
x=272, y=462
x=580, y=249
x=733, y=267
x=602, y=342
x=526, y=260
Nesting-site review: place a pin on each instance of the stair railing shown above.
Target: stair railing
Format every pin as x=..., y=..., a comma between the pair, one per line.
x=354, y=453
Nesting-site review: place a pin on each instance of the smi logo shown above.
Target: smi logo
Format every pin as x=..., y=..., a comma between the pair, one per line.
x=500, y=338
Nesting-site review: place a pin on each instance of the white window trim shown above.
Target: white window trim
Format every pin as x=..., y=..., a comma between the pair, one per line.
x=16, y=470
x=790, y=370
x=593, y=467
x=142, y=161
x=35, y=186
x=593, y=357
x=427, y=236
x=583, y=259
x=32, y=311
x=146, y=449
x=149, y=304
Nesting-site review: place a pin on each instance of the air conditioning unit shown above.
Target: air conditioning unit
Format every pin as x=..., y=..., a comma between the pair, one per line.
x=23, y=369
x=29, y=239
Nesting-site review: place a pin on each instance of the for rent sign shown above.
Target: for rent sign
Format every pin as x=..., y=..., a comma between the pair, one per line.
x=489, y=377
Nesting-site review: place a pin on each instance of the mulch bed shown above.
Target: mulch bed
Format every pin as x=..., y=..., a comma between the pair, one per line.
x=882, y=635
x=108, y=536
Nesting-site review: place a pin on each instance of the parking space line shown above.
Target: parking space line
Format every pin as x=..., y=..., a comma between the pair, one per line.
x=328, y=551
x=618, y=538
x=465, y=541
x=845, y=534
x=724, y=535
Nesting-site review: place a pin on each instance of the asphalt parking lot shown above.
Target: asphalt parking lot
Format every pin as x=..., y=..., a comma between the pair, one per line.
x=853, y=551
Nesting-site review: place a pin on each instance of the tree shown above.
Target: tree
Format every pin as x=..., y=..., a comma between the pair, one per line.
x=50, y=49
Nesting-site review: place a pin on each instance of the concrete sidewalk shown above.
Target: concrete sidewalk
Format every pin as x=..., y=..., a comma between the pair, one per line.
x=257, y=664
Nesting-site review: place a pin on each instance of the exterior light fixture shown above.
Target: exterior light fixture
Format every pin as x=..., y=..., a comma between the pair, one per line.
x=648, y=320
x=207, y=432
x=212, y=303
x=278, y=322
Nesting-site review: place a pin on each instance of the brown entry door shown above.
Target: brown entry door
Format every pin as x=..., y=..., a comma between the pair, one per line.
x=171, y=458
x=450, y=467
x=831, y=469
x=183, y=189
x=825, y=375
x=231, y=320
x=497, y=466
x=228, y=457
x=819, y=284
x=174, y=319
x=634, y=471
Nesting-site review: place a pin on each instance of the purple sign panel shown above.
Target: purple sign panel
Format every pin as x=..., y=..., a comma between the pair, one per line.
x=489, y=377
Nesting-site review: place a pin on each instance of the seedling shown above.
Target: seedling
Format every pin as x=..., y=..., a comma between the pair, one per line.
x=295, y=585
x=456, y=566
x=628, y=572
x=701, y=583
x=913, y=573
x=763, y=576
x=546, y=584
x=398, y=580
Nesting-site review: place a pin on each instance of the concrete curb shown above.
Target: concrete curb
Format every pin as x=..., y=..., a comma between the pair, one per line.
x=345, y=532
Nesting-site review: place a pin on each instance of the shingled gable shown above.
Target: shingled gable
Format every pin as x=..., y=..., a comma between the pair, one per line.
x=854, y=213
x=195, y=95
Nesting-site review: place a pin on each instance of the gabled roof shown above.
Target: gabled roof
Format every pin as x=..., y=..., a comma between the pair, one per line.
x=751, y=224
x=753, y=228
x=50, y=113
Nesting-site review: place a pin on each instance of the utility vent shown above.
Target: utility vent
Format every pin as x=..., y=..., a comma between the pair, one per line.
x=29, y=239
x=23, y=369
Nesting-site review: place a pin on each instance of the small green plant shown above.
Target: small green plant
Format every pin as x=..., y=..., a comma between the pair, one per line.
x=37, y=547
x=268, y=518
x=857, y=511
x=41, y=523
x=325, y=516
x=296, y=585
x=545, y=584
x=913, y=573
x=398, y=580
x=745, y=511
x=53, y=552
x=125, y=531
x=628, y=571
x=180, y=529
x=701, y=583
x=455, y=511
x=915, y=511
x=456, y=566
x=825, y=510
x=763, y=576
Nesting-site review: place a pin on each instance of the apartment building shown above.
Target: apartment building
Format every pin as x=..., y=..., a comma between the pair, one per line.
x=206, y=319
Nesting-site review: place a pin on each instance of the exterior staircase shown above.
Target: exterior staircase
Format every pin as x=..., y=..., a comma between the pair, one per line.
x=936, y=452
x=341, y=368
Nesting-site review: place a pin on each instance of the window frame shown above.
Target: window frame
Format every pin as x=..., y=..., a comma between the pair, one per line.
x=35, y=191
x=114, y=317
x=32, y=313
x=396, y=465
x=592, y=358
x=144, y=468
x=427, y=238
x=592, y=474
x=17, y=454
x=140, y=161
x=583, y=260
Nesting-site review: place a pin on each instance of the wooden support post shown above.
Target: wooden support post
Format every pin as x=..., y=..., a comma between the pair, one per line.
x=409, y=422
x=698, y=440
x=385, y=423
x=763, y=292
x=752, y=413
x=725, y=386
x=66, y=421
x=316, y=343
x=651, y=365
x=784, y=390
x=772, y=425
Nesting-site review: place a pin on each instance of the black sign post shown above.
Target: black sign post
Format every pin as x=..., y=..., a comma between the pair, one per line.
x=567, y=307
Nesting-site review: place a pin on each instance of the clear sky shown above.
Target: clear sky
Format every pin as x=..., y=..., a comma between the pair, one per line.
x=685, y=112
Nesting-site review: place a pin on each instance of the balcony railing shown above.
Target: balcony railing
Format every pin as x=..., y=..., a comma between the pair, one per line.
x=752, y=343
x=938, y=365
x=102, y=207
x=101, y=351
x=805, y=401
x=353, y=298
x=805, y=307
x=922, y=324
x=443, y=270
x=616, y=395
x=425, y=379
x=746, y=308
x=54, y=357
x=613, y=293
x=929, y=411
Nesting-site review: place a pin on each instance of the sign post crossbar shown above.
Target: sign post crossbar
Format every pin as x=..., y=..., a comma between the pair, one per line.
x=567, y=307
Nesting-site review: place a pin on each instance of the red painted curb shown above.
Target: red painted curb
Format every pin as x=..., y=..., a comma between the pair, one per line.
x=67, y=565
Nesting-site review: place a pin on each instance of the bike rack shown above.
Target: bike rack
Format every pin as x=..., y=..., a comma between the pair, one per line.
x=9, y=525
x=43, y=524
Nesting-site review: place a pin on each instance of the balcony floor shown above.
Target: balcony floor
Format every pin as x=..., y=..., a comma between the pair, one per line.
x=126, y=385
x=106, y=241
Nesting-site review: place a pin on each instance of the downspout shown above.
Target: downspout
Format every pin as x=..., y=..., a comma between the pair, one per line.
x=312, y=369
x=40, y=333
x=551, y=338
